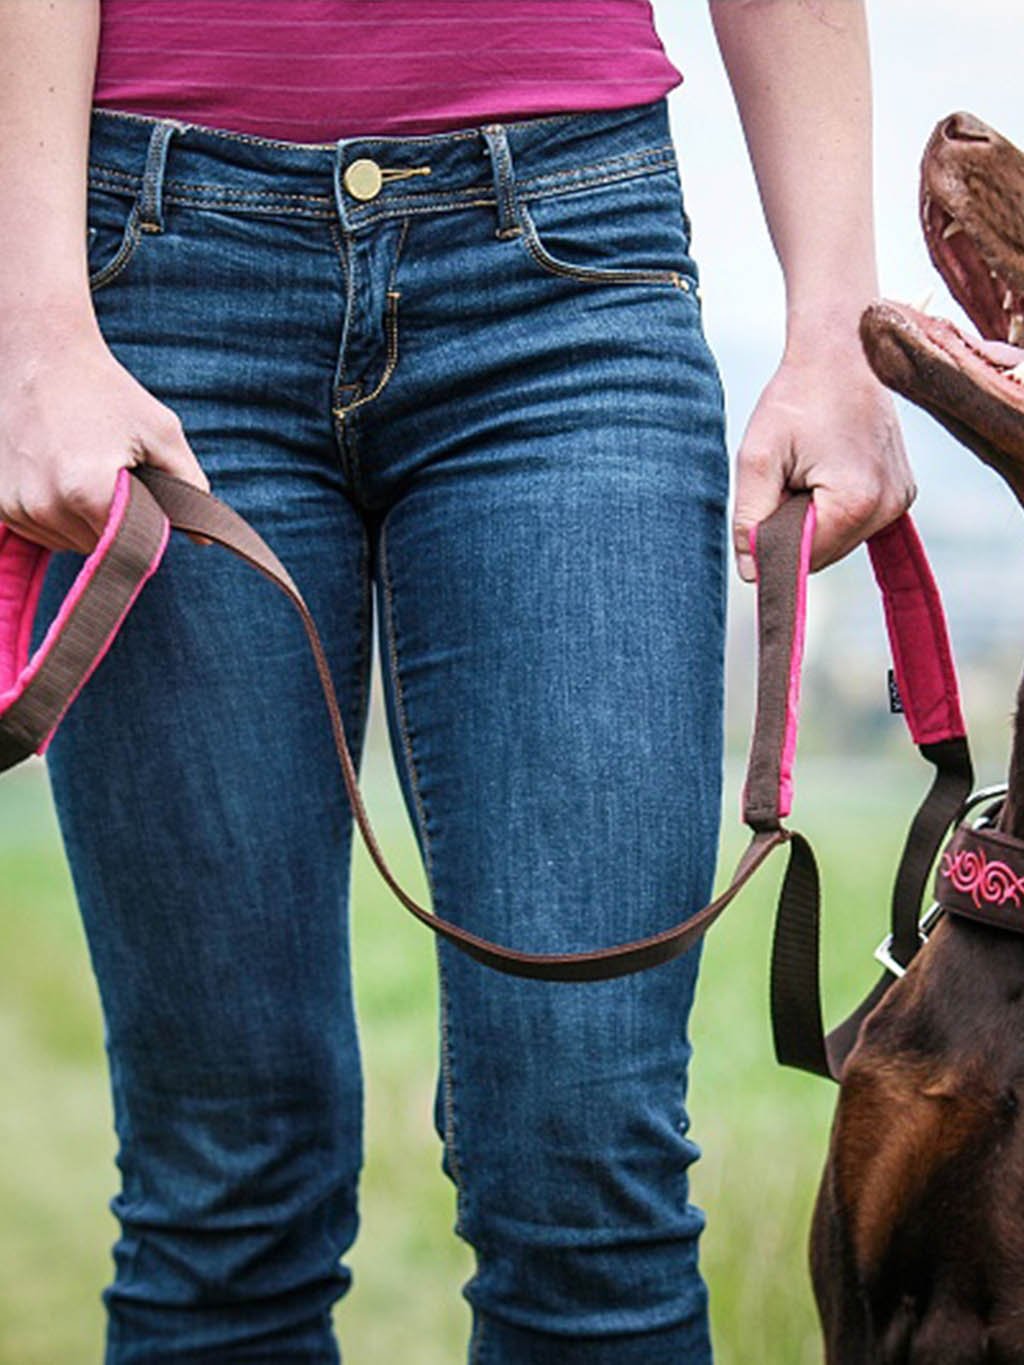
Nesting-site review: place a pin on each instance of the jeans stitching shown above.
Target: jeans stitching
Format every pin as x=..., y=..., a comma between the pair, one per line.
x=126, y=251
x=390, y=361
x=365, y=626
x=504, y=187
x=596, y=274
x=99, y=170
x=422, y=203
x=470, y=196
x=391, y=325
x=390, y=635
x=606, y=163
x=344, y=436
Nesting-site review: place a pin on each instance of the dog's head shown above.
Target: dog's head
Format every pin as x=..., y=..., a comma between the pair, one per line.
x=972, y=217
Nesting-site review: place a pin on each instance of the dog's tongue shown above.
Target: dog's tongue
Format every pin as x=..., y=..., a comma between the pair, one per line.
x=1001, y=353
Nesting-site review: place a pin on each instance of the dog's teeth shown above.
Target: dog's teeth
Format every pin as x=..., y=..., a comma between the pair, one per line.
x=952, y=229
x=1016, y=336
x=1016, y=373
x=1007, y=300
x=926, y=302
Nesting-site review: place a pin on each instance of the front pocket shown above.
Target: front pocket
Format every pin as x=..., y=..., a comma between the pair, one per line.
x=112, y=234
x=629, y=231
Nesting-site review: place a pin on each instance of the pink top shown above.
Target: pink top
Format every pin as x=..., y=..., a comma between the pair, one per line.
x=317, y=70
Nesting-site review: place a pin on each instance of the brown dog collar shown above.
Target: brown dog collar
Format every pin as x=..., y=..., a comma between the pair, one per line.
x=981, y=875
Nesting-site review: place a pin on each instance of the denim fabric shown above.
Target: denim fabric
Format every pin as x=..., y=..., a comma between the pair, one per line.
x=481, y=405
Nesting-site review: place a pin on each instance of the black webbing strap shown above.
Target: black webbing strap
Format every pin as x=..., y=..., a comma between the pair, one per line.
x=798, y=1025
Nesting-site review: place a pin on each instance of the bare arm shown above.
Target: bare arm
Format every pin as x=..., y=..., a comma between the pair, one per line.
x=46, y=77
x=70, y=414
x=801, y=77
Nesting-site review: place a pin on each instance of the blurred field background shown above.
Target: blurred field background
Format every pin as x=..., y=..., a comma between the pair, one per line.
x=763, y=1131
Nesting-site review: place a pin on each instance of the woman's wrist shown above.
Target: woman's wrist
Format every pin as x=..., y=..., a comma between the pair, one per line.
x=41, y=317
x=827, y=328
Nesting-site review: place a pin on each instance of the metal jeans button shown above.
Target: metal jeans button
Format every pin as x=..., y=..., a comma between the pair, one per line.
x=363, y=179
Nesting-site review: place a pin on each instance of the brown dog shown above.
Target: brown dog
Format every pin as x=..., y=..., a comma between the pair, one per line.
x=917, y=1244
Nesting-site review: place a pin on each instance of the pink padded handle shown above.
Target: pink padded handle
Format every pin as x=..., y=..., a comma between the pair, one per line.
x=918, y=638
x=36, y=692
x=918, y=634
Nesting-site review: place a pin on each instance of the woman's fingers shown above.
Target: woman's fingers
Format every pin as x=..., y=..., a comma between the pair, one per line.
x=71, y=417
x=760, y=488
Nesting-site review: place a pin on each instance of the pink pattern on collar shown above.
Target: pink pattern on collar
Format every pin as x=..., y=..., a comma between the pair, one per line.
x=986, y=882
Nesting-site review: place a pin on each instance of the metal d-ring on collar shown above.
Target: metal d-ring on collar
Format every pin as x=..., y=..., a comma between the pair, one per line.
x=994, y=794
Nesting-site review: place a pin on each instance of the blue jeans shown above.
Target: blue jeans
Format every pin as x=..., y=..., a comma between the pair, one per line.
x=476, y=399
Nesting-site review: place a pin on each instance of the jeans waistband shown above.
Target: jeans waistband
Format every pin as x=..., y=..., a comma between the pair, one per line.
x=168, y=160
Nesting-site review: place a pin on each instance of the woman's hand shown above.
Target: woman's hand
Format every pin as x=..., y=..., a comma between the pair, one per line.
x=823, y=423
x=71, y=416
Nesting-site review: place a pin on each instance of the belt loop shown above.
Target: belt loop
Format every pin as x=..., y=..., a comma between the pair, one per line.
x=151, y=217
x=504, y=180
x=340, y=149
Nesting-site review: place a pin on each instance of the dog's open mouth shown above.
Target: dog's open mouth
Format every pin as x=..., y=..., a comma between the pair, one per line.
x=997, y=366
x=972, y=216
x=992, y=301
x=972, y=386
x=971, y=209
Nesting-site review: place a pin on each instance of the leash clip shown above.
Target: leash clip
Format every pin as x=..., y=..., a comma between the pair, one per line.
x=883, y=953
x=995, y=793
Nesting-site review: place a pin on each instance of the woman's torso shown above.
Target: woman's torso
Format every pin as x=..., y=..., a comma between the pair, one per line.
x=317, y=70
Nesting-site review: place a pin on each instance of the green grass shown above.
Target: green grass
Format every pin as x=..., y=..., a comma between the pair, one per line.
x=762, y=1130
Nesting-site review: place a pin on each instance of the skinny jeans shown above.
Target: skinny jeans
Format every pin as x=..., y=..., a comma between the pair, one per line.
x=465, y=395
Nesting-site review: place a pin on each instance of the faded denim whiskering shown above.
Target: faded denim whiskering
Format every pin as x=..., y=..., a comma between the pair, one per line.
x=480, y=403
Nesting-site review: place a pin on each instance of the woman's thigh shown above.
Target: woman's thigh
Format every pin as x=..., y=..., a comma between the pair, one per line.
x=551, y=593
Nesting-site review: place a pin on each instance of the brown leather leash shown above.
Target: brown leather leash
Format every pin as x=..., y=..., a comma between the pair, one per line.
x=35, y=694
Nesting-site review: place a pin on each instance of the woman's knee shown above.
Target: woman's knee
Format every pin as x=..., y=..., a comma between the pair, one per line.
x=236, y=1188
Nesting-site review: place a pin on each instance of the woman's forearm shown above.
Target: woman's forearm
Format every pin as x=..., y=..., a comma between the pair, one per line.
x=800, y=73
x=47, y=68
x=71, y=415
x=801, y=76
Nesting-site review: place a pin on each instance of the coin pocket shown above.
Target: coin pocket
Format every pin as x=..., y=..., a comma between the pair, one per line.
x=112, y=234
x=629, y=231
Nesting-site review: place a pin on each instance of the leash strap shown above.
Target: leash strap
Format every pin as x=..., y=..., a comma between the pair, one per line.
x=35, y=694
